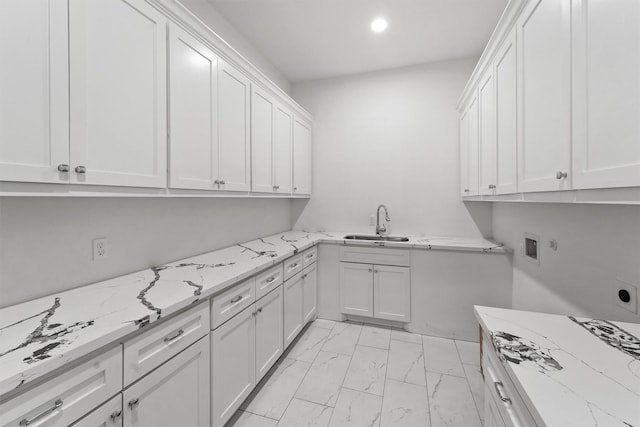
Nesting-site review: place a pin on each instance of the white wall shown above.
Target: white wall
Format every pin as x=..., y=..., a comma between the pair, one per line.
x=389, y=137
x=46, y=243
x=219, y=24
x=597, y=246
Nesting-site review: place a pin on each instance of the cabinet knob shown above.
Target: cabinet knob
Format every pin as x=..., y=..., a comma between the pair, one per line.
x=222, y=182
x=81, y=169
x=115, y=415
x=216, y=182
x=370, y=270
x=295, y=188
x=63, y=167
x=133, y=403
x=561, y=175
x=376, y=271
x=466, y=190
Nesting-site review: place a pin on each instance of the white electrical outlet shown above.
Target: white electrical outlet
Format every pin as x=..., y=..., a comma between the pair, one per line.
x=100, y=248
x=372, y=220
x=626, y=296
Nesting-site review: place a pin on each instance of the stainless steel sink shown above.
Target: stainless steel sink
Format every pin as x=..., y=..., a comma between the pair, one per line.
x=377, y=238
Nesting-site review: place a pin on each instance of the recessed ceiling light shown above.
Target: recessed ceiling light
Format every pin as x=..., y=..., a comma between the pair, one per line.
x=379, y=25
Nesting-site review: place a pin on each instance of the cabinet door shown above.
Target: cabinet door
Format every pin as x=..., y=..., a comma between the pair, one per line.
x=175, y=394
x=193, y=156
x=464, y=153
x=108, y=414
x=392, y=293
x=293, y=316
x=234, y=94
x=492, y=416
x=606, y=94
x=262, y=110
x=487, y=131
x=544, y=95
x=269, y=331
x=117, y=57
x=282, y=132
x=232, y=365
x=356, y=289
x=310, y=293
x=472, y=148
x=34, y=105
x=301, y=157
x=506, y=126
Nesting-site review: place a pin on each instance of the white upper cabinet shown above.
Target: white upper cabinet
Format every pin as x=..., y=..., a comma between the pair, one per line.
x=464, y=153
x=472, y=148
x=544, y=95
x=301, y=156
x=193, y=71
x=282, y=139
x=234, y=97
x=262, y=110
x=118, y=92
x=606, y=91
x=34, y=105
x=487, y=149
x=504, y=76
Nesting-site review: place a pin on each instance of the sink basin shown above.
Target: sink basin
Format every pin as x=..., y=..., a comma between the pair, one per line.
x=377, y=238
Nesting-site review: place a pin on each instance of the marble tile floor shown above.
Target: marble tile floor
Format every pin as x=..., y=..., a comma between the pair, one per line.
x=349, y=374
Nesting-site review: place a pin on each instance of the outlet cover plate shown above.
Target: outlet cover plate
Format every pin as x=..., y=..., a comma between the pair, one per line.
x=100, y=251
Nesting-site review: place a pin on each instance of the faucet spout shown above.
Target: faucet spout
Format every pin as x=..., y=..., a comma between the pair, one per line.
x=381, y=229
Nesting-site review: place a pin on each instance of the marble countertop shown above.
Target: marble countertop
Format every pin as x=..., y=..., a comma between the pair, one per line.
x=41, y=335
x=569, y=371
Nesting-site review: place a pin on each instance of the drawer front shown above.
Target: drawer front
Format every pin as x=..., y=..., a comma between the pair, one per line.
x=144, y=353
x=107, y=415
x=292, y=266
x=380, y=256
x=500, y=389
x=309, y=257
x=232, y=301
x=269, y=280
x=68, y=396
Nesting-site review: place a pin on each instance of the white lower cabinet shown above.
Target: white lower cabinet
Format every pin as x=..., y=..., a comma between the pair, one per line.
x=175, y=394
x=242, y=351
x=309, y=294
x=106, y=415
x=293, y=317
x=268, y=331
x=379, y=291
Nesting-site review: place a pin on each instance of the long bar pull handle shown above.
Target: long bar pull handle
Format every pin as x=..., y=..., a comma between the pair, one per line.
x=58, y=403
x=176, y=336
x=499, y=389
x=236, y=299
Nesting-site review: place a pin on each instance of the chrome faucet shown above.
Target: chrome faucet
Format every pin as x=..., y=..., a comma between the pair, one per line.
x=381, y=229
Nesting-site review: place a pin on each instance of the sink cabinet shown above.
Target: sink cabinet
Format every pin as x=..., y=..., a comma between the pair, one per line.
x=378, y=285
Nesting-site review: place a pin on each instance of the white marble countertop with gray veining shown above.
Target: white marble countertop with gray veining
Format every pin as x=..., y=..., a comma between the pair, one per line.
x=569, y=371
x=39, y=336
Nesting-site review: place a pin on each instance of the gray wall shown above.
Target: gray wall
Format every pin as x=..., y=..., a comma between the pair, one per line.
x=46, y=243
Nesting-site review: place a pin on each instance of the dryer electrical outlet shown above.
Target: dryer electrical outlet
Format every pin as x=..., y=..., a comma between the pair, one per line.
x=626, y=295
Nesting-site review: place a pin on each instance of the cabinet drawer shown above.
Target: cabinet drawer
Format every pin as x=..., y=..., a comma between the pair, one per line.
x=382, y=256
x=269, y=280
x=292, y=266
x=149, y=350
x=68, y=396
x=500, y=389
x=232, y=301
x=107, y=415
x=309, y=256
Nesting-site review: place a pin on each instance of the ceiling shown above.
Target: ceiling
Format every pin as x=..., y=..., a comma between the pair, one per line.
x=314, y=39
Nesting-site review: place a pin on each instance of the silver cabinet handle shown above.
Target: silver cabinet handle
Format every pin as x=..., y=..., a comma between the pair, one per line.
x=133, y=403
x=295, y=188
x=370, y=270
x=271, y=279
x=304, y=276
x=176, y=336
x=260, y=310
x=310, y=256
x=63, y=167
x=236, y=299
x=115, y=415
x=376, y=271
x=217, y=181
x=81, y=169
x=492, y=186
x=466, y=190
x=222, y=182
x=560, y=175
x=58, y=403
x=499, y=389
x=276, y=187
x=294, y=265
